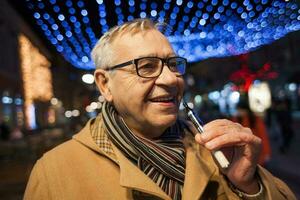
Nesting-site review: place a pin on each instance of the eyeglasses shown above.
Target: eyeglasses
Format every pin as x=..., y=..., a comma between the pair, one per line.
x=152, y=67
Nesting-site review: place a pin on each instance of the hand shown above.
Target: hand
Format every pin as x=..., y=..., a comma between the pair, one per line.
x=241, y=148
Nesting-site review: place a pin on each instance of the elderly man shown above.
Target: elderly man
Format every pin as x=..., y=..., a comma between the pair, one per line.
x=137, y=148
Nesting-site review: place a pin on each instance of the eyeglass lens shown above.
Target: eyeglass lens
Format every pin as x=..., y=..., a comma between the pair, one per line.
x=152, y=67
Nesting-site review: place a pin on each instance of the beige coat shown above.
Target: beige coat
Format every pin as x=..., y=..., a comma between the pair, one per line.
x=79, y=169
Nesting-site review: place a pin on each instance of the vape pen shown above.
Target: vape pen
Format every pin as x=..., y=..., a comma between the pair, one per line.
x=219, y=156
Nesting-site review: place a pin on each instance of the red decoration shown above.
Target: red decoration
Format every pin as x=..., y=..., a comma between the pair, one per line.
x=244, y=77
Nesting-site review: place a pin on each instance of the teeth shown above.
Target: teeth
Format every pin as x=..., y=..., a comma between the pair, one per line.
x=164, y=99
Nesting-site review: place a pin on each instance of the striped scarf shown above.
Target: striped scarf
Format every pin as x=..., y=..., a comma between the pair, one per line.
x=162, y=159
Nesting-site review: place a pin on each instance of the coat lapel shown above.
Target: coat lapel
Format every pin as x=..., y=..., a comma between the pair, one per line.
x=133, y=177
x=197, y=173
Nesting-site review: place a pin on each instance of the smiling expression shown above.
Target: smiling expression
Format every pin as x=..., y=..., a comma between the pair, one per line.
x=148, y=105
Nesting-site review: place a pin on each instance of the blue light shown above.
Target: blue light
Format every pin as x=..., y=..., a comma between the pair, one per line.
x=179, y=2
x=77, y=24
x=209, y=8
x=202, y=22
x=217, y=16
x=41, y=5
x=53, y=41
x=100, y=2
x=71, y=11
x=36, y=15
x=187, y=32
x=240, y=10
x=241, y=33
x=102, y=13
x=187, y=10
x=233, y=5
x=246, y=2
x=69, y=3
x=59, y=48
x=61, y=17
x=252, y=14
x=153, y=5
x=190, y=4
x=228, y=13
x=117, y=2
x=131, y=9
x=118, y=10
x=73, y=19
x=162, y=14
x=249, y=7
x=166, y=6
x=259, y=8
x=131, y=3
x=84, y=12
x=172, y=22
x=264, y=1
x=214, y=2
x=176, y=9
x=225, y=2
x=205, y=16
x=80, y=4
x=44, y=27
x=46, y=16
x=202, y=35
x=244, y=15
x=85, y=20
x=68, y=34
x=143, y=15
x=54, y=26
x=18, y=101
x=85, y=59
x=130, y=18
x=200, y=5
x=212, y=34
x=60, y=37
x=198, y=13
x=143, y=6
x=220, y=9
x=185, y=18
x=153, y=13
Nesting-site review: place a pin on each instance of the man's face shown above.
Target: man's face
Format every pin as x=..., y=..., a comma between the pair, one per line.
x=148, y=105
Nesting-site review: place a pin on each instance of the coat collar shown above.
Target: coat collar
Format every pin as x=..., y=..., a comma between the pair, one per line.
x=197, y=172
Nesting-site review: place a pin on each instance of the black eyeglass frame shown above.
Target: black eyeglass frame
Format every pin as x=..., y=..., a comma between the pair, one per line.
x=165, y=61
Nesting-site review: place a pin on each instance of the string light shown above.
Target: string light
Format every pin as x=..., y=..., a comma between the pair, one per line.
x=37, y=80
x=200, y=30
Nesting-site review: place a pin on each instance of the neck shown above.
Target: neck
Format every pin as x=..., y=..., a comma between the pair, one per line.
x=145, y=132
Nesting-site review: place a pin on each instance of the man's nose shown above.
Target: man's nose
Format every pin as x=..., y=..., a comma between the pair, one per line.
x=167, y=77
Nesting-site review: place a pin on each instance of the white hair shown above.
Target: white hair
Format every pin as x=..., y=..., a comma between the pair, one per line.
x=103, y=53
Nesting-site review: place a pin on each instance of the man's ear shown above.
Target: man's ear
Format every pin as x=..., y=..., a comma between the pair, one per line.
x=102, y=82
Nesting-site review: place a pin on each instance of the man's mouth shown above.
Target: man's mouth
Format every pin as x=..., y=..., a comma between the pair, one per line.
x=167, y=99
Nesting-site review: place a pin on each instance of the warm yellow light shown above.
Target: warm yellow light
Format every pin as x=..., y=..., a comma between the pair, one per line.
x=259, y=97
x=36, y=75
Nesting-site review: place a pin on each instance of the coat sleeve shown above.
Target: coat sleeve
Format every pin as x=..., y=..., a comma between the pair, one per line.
x=37, y=187
x=275, y=188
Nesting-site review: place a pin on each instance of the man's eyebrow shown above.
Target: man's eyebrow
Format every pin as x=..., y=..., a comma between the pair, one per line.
x=155, y=55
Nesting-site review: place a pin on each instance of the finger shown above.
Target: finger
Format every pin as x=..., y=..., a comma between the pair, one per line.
x=217, y=122
x=210, y=134
x=233, y=139
x=220, y=130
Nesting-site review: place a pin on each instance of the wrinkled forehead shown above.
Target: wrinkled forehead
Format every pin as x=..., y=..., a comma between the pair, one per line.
x=143, y=43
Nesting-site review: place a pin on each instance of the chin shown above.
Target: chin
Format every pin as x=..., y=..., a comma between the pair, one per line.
x=166, y=121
